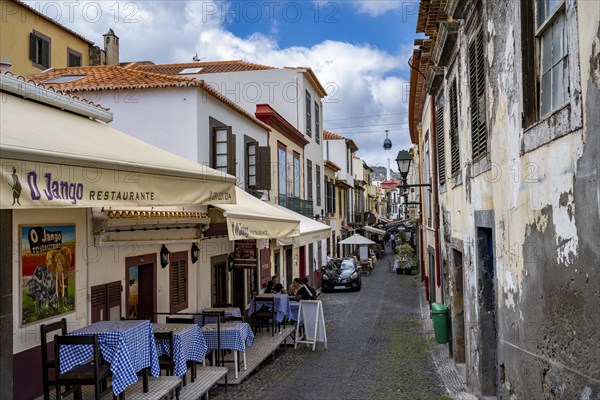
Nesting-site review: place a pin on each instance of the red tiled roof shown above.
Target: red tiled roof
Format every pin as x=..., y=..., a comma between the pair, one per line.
x=208, y=67
x=116, y=77
x=327, y=135
x=77, y=98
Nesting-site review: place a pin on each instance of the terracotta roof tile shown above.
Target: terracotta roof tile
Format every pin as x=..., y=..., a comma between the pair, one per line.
x=327, y=135
x=116, y=77
x=77, y=98
x=208, y=67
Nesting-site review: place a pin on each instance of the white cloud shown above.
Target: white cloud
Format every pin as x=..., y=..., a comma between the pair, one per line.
x=375, y=8
x=362, y=79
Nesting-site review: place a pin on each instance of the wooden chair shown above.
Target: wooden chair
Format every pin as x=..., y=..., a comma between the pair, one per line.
x=48, y=362
x=265, y=315
x=93, y=373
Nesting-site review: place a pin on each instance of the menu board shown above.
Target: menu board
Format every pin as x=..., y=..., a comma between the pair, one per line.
x=244, y=254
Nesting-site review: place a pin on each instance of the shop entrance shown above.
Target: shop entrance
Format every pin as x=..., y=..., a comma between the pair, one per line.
x=219, y=280
x=141, y=286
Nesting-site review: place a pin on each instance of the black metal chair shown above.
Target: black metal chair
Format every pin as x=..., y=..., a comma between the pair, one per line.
x=179, y=320
x=93, y=374
x=47, y=361
x=265, y=314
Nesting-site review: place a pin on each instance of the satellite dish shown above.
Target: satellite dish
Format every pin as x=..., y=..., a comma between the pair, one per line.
x=387, y=143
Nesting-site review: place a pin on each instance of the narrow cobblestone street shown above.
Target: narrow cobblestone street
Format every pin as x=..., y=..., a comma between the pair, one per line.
x=377, y=349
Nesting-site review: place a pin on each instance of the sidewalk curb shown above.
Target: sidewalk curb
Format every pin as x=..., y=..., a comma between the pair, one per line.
x=445, y=366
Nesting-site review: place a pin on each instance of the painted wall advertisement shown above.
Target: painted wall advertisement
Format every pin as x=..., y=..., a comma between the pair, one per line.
x=47, y=271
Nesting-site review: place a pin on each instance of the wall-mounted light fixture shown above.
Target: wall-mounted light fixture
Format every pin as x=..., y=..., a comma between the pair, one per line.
x=164, y=256
x=195, y=253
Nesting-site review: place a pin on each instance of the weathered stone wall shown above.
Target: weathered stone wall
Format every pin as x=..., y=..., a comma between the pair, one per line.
x=541, y=184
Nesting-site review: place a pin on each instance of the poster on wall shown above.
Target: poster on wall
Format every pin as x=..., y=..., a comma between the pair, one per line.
x=47, y=271
x=244, y=254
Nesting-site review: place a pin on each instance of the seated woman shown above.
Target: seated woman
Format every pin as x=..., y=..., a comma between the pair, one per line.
x=273, y=286
x=293, y=288
x=305, y=292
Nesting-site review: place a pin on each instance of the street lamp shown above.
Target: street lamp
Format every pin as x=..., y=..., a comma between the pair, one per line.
x=403, y=159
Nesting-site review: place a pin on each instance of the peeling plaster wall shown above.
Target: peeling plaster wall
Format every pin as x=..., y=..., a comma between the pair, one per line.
x=546, y=207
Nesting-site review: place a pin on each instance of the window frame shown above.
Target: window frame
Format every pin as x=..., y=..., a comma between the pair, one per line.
x=230, y=146
x=249, y=164
x=477, y=85
x=71, y=52
x=440, y=142
x=282, y=169
x=454, y=133
x=179, y=257
x=318, y=184
x=317, y=122
x=308, y=105
x=309, y=180
x=538, y=130
x=39, y=37
x=297, y=173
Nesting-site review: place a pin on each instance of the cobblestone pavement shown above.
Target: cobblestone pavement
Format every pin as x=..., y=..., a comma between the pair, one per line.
x=377, y=349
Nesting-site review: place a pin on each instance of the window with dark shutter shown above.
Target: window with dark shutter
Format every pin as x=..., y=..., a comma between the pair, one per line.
x=106, y=301
x=309, y=182
x=478, y=101
x=263, y=164
x=223, y=150
x=318, y=182
x=39, y=49
x=308, y=114
x=317, y=123
x=454, y=145
x=231, y=161
x=73, y=58
x=441, y=149
x=178, y=281
x=251, y=164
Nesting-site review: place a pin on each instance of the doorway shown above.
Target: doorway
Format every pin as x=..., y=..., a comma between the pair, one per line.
x=237, y=292
x=141, y=287
x=487, y=311
x=219, y=280
x=302, y=252
x=277, y=264
x=458, y=308
x=431, y=265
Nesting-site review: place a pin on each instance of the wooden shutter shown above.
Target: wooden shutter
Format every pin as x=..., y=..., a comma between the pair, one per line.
x=263, y=168
x=441, y=149
x=113, y=300
x=45, y=61
x=98, y=303
x=231, y=164
x=454, y=144
x=478, y=101
x=179, y=281
x=530, y=81
x=32, y=47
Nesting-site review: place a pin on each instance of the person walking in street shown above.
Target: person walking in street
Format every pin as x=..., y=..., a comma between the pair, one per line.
x=393, y=241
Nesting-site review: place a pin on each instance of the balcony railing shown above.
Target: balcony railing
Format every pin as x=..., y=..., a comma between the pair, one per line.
x=304, y=207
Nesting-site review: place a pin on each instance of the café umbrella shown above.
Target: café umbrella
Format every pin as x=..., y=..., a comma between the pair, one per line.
x=362, y=242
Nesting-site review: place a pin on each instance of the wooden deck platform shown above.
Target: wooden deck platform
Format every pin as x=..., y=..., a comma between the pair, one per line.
x=264, y=346
x=206, y=378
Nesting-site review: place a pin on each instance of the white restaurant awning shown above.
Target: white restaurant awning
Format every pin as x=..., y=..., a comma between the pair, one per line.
x=251, y=218
x=52, y=158
x=357, y=239
x=373, y=230
x=310, y=230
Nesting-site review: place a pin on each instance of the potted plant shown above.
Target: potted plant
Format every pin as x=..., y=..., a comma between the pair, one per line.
x=404, y=258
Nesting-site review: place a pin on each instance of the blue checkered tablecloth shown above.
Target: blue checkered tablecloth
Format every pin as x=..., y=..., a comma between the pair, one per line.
x=282, y=306
x=295, y=309
x=209, y=319
x=233, y=335
x=188, y=344
x=128, y=346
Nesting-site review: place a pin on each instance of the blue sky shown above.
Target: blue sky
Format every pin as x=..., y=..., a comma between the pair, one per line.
x=359, y=47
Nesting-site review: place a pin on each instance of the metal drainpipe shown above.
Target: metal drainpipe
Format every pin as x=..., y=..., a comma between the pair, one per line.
x=434, y=188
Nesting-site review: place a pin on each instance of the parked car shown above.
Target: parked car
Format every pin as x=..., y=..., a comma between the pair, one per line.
x=341, y=274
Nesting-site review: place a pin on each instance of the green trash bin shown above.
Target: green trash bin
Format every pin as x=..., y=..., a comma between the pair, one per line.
x=439, y=312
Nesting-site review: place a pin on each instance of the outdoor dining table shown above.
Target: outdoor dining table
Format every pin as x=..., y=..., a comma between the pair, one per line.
x=188, y=345
x=234, y=336
x=294, y=311
x=128, y=346
x=282, y=306
x=221, y=311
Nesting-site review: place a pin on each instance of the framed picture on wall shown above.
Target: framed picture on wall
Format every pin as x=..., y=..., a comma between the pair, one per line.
x=47, y=271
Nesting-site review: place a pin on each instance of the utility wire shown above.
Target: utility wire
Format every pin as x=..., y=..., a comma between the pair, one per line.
x=366, y=116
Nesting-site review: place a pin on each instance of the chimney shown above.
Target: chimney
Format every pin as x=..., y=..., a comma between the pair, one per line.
x=111, y=47
x=389, y=171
